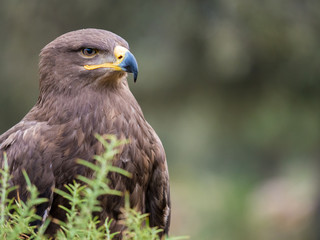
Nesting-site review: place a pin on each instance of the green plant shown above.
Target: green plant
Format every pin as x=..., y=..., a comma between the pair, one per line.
x=17, y=215
x=83, y=198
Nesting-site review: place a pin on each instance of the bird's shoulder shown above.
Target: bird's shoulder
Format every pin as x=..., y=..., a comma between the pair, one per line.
x=23, y=131
x=24, y=145
x=26, y=140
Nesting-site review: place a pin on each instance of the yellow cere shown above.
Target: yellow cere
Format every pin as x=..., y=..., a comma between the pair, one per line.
x=119, y=52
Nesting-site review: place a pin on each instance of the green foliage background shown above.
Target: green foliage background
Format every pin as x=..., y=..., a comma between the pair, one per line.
x=232, y=88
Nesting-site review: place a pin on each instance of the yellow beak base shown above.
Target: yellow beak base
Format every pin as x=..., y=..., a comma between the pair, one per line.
x=119, y=52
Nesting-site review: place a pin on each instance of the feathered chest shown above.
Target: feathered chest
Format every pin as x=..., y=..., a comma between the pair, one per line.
x=138, y=155
x=77, y=120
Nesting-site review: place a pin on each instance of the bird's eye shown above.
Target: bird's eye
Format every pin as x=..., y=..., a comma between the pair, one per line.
x=89, y=52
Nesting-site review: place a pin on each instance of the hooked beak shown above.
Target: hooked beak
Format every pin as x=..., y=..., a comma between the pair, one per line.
x=125, y=61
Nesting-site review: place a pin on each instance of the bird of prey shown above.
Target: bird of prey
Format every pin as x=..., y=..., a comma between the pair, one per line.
x=84, y=91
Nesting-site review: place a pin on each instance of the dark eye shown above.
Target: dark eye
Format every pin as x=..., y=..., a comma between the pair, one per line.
x=89, y=52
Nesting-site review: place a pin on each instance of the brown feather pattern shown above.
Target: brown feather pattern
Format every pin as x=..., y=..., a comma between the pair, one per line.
x=75, y=104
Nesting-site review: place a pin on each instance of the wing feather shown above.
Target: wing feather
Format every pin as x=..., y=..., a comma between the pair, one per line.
x=24, y=145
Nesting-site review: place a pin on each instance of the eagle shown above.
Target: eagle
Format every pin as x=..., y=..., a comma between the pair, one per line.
x=83, y=92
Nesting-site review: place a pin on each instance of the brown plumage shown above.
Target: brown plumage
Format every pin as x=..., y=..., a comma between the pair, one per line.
x=75, y=103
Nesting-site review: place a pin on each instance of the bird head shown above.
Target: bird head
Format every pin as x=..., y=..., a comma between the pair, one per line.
x=85, y=57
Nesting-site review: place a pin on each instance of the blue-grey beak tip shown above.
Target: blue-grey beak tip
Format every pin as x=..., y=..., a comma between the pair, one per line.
x=135, y=76
x=129, y=64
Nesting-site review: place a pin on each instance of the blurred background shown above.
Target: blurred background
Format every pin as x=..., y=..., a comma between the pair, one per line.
x=231, y=87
